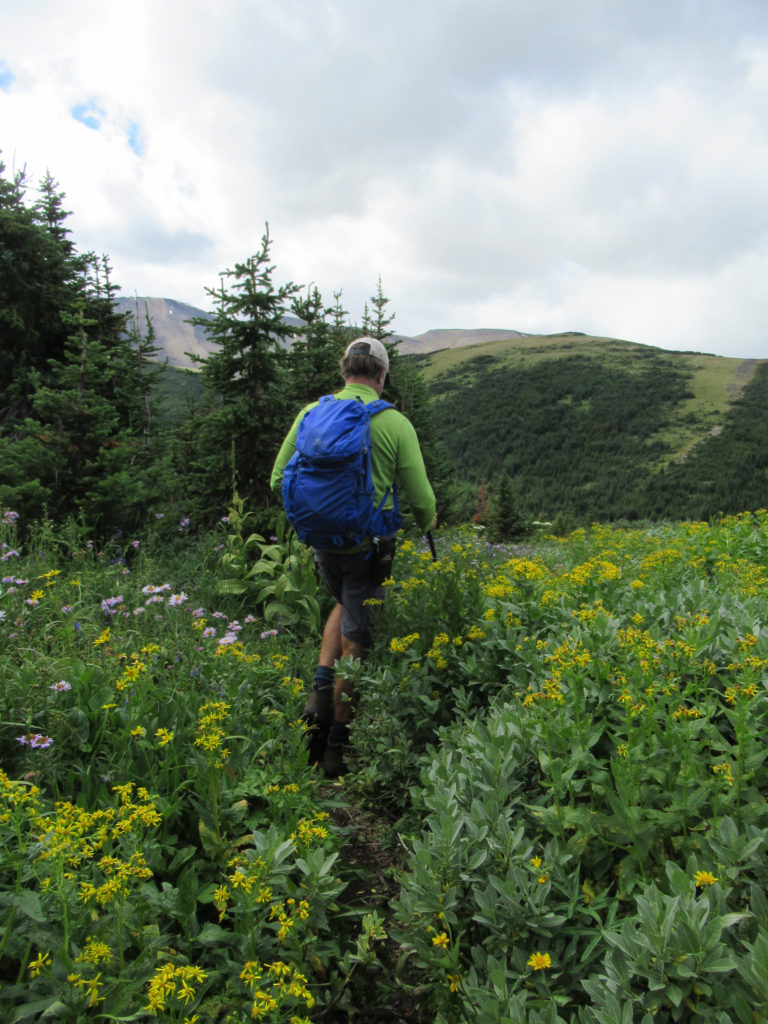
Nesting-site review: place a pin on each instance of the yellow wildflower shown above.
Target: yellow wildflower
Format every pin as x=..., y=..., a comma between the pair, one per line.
x=540, y=961
x=164, y=737
x=702, y=878
x=41, y=960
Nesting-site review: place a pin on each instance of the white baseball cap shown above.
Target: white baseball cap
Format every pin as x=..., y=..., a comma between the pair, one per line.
x=366, y=346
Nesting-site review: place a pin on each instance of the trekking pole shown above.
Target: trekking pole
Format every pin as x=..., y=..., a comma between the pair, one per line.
x=431, y=540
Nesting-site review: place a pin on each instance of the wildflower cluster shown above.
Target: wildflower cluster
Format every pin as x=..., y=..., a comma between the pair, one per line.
x=173, y=985
x=274, y=986
x=435, y=653
x=399, y=646
x=35, y=741
x=309, y=830
x=211, y=736
x=286, y=914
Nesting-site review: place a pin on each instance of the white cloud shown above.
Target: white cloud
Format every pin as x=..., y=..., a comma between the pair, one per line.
x=595, y=167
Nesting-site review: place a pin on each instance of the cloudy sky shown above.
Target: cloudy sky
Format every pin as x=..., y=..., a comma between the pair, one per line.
x=537, y=165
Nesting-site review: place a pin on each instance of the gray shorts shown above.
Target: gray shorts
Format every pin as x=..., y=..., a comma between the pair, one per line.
x=353, y=578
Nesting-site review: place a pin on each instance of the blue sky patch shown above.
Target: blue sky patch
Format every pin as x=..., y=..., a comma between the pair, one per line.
x=7, y=77
x=90, y=114
x=135, y=140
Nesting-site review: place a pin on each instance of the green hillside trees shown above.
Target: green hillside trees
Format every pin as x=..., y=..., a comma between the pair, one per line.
x=570, y=432
x=76, y=392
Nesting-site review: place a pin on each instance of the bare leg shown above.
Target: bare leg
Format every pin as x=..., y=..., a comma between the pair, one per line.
x=331, y=645
x=344, y=689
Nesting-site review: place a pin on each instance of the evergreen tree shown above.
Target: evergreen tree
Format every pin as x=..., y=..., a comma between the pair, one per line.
x=77, y=388
x=78, y=421
x=40, y=276
x=504, y=516
x=95, y=412
x=313, y=359
x=367, y=323
x=146, y=379
x=50, y=213
x=340, y=329
x=378, y=324
x=247, y=375
x=84, y=447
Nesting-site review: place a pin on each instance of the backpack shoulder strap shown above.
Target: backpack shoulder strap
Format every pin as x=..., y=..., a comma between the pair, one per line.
x=379, y=405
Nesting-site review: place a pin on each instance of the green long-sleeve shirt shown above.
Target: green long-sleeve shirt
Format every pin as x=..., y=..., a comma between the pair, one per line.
x=395, y=456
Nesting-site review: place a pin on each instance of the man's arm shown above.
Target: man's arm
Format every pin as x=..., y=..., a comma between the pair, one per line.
x=287, y=449
x=412, y=477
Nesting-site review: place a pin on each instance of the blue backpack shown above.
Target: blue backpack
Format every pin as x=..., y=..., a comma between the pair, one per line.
x=328, y=492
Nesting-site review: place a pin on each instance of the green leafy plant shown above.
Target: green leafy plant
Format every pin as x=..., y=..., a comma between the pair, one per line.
x=277, y=578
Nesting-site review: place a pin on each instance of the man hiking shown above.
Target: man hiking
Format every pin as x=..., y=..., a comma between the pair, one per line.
x=353, y=559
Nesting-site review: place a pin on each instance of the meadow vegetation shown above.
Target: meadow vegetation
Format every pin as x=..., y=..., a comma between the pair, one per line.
x=558, y=749
x=555, y=809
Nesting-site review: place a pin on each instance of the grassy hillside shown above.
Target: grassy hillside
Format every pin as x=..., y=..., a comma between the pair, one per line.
x=586, y=425
x=588, y=428
x=181, y=390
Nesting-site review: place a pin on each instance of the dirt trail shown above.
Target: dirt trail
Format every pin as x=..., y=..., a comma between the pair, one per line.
x=745, y=371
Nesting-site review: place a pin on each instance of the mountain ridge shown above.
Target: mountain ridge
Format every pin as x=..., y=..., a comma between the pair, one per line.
x=176, y=338
x=587, y=427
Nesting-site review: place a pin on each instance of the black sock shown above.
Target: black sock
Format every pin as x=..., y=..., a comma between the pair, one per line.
x=323, y=676
x=339, y=733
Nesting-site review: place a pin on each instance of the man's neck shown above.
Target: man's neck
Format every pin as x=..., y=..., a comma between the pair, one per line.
x=377, y=385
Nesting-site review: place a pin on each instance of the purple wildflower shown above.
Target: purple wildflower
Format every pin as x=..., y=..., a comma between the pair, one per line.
x=36, y=740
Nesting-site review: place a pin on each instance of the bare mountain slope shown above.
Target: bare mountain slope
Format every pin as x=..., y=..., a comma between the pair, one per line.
x=175, y=336
x=433, y=341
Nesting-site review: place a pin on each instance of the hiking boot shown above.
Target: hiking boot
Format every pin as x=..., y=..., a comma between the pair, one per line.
x=319, y=706
x=318, y=714
x=333, y=759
